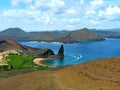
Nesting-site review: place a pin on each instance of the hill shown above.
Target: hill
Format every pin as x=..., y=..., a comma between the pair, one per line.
x=68, y=36
x=103, y=74
x=112, y=33
x=9, y=44
x=15, y=33
x=55, y=36
x=82, y=35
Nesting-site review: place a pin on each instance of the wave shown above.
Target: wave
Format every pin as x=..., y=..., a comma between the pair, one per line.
x=112, y=38
x=75, y=57
x=52, y=42
x=78, y=57
x=56, y=42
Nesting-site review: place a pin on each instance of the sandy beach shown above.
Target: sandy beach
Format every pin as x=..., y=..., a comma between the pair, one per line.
x=38, y=61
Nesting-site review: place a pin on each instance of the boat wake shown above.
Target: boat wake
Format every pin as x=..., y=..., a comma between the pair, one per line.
x=75, y=58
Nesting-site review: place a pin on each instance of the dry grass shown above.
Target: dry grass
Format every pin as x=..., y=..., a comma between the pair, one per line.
x=101, y=74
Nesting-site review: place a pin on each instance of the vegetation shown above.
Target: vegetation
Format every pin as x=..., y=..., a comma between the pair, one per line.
x=15, y=33
x=21, y=62
x=57, y=36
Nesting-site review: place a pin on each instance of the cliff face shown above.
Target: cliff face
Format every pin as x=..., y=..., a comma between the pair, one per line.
x=9, y=44
x=101, y=74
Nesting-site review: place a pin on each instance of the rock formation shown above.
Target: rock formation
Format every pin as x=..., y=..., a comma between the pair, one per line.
x=60, y=54
x=61, y=51
x=9, y=44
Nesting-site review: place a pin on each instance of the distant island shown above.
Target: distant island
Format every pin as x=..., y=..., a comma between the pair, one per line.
x=53, y=36
x=108, y=33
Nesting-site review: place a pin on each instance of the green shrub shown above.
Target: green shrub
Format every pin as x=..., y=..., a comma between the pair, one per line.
x=19, y=62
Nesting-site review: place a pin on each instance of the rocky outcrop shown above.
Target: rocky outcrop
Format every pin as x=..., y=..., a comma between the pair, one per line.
x=9, y=44
x=60, y=54
x=61, y=51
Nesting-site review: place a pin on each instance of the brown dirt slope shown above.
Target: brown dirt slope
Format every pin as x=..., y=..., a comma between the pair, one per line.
x=101, y=74
x=9, y=44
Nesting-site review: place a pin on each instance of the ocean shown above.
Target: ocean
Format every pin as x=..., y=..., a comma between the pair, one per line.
x=80, y=52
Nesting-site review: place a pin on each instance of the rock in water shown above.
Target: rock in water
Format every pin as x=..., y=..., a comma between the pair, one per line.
x=61, y=52
x=60, y=55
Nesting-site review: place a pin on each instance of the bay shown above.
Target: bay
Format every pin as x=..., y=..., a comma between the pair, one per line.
x=80, y=52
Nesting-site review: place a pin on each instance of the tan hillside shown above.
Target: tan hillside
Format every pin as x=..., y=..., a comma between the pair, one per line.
x=101, y=74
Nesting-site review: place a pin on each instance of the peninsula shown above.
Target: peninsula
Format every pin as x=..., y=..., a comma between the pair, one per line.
x=10, y=49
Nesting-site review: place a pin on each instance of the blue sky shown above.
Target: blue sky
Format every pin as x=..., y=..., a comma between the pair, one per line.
x=47, y=15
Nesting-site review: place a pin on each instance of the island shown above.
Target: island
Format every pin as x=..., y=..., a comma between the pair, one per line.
x=73, y=36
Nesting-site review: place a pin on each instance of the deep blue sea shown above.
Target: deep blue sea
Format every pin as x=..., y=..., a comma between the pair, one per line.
x=80, y=52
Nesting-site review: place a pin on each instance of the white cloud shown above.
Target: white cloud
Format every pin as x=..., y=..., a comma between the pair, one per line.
x=97, y=3
x=111, y=13
x=94, y=22
x=71, y=10
x=53, y=14
x=48, y=4
x=93, y=7
x=113, y=10
x=81, y=1
x=90, y=12
x=75, y=21
x=15, y=3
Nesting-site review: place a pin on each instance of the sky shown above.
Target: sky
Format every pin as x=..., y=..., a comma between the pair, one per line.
x=47, y=15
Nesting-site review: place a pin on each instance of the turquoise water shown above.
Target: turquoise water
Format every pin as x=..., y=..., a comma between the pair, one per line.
x=80, y=52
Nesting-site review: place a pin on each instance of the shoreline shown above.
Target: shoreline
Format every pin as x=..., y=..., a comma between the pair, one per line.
x=38, y=61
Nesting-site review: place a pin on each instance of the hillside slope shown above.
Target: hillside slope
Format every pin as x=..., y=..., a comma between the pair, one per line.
x=108, y=33
x=65, y=37
x=15, y=33
x=9, y=44
x=68, y=37
x=101, y=74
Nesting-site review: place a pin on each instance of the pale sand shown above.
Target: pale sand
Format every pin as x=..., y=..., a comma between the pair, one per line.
x=38, y=61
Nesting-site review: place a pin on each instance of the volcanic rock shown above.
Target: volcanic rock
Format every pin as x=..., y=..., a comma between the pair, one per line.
x=61, y=51
x=9, y=44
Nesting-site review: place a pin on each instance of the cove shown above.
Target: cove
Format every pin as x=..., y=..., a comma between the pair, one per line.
x=80, y=52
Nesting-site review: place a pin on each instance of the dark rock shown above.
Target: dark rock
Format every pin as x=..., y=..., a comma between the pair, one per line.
x=60, y=54
x=61, y=51
x=9, y=44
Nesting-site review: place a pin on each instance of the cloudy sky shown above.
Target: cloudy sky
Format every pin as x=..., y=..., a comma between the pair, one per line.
x=42, y=15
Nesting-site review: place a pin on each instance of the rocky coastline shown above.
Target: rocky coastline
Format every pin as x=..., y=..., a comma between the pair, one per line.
x=9, y=46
